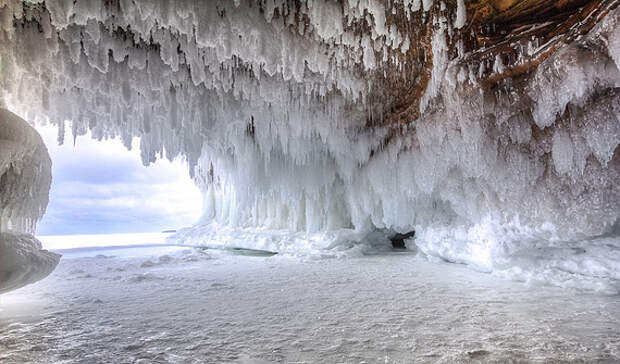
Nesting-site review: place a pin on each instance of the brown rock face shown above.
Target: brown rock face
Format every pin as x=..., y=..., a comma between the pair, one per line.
x=520, y=33
x=549, y=24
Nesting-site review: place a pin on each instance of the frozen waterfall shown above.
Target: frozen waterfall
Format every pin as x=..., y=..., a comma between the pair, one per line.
x=335, y=124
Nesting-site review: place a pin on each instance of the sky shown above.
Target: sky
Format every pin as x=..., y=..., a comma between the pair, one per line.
x=100, y=187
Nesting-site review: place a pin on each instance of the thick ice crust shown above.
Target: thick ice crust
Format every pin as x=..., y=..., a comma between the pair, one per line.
x=22, y=261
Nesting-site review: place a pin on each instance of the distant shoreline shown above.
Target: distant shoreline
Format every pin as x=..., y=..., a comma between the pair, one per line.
x=57, y=242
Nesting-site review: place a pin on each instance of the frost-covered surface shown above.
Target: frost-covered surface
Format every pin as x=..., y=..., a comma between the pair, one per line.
x=23, y=261
x=25, y=177
x=272, y=106
x=179, y=305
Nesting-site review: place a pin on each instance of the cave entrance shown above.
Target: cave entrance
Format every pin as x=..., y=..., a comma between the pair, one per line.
x=102, y=191
x=398, y=240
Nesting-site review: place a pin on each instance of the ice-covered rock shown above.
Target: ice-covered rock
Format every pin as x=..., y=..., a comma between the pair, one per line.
x=487, y=131
x=25, y=177
x=25, y=174
x=23, y=261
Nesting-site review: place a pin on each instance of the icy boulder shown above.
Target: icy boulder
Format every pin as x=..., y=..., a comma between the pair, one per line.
x=25, y=178
x=22, y=261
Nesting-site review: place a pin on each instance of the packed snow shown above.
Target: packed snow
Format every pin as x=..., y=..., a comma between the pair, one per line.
x=270, y=105
x=172, y=304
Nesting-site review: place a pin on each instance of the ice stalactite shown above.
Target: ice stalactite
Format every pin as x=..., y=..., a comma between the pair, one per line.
x=25, y=177
x=491, y=132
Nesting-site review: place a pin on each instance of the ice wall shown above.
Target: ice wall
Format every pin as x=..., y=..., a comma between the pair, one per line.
x=25, y=178
x=283, y=110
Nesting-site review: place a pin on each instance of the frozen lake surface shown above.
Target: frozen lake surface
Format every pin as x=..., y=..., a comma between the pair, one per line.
x=168, y=304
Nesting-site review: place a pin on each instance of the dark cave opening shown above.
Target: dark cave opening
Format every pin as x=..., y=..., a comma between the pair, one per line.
x=398, y=240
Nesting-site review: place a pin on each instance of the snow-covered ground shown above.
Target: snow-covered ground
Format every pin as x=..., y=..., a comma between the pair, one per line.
x=170, y=304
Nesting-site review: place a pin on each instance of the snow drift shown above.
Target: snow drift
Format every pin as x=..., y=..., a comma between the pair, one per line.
x=25, y=177
x=324, y=124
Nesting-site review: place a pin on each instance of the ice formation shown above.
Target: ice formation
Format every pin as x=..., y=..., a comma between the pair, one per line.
x=310, y=125
x=25, y=177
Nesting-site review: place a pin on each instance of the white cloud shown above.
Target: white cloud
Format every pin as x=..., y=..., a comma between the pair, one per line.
x=101, y=187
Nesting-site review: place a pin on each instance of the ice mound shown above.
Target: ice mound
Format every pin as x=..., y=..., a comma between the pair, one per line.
x=163, y=259
x=143, y=277
x=22, y=261
x=536, y=257
x=319, y=125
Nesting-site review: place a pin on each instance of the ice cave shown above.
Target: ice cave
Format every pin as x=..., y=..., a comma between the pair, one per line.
x=480, y=132
x=491, y=130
